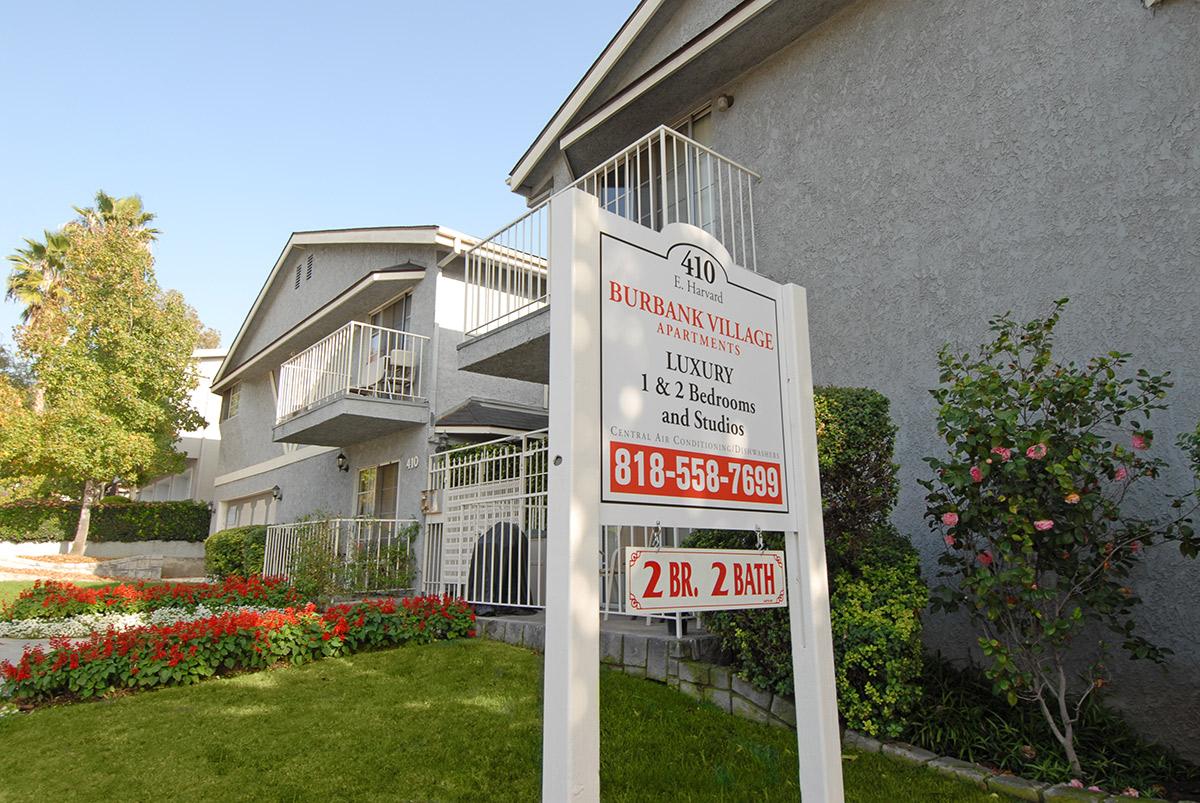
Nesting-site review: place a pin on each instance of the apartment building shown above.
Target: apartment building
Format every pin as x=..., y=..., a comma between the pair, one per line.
x=919, y=168
x=343, y=379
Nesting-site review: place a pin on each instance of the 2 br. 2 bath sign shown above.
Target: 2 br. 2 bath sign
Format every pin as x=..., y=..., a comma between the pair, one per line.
x=692, y=420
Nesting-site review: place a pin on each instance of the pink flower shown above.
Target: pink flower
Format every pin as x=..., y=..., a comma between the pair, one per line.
x=1041, y=525
x=1139, y=441
x=1036, y=452
x=984, y=558
x=976, y=474
x=950, y=519
x=1135, y=547
x=1005, y=454
x=1121, y=474
x=1130, y=792
x=1075, y=783
x=949, y=539
x=1094, y=789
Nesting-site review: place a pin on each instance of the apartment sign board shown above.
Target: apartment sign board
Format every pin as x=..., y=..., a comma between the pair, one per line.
x=692, y=399
x=685, y=580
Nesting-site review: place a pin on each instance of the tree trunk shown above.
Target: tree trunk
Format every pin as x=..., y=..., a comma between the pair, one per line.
x=39, y=398
x=1068, y=743
x=90, y=492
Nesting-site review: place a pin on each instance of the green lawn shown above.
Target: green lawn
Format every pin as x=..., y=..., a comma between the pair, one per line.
x=449, y=721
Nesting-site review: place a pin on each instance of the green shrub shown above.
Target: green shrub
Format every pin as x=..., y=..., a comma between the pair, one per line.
x=236, y=551
x=876, y=591
x=875, y=607
x=877, y=641
x=122, y=520
x=855, y=441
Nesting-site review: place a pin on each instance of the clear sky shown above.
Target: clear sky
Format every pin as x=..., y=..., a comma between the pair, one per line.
x=239, y=123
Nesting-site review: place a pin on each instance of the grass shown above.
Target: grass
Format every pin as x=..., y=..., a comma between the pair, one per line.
x=448, y=721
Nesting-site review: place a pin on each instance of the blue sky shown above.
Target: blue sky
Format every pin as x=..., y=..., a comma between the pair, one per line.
x=239, y=123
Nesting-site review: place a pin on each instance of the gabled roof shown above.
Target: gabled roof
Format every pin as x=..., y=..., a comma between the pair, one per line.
x=552, y=136
x=394, y=235
x=591, y=79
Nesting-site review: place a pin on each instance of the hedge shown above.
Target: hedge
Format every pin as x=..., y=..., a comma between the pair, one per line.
x=111, y=521
x=237, y=551
x=876, y=591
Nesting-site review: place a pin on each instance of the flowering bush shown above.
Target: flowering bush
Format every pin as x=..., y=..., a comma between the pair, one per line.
x=83, y=625
x=1029, y=502
x=56, y=600
x=186, y=652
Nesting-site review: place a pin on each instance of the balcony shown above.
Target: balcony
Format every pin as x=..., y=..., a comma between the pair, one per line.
x=662, y=178
x=359, y=383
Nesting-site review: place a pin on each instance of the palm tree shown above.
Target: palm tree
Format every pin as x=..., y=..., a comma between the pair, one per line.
x=36, y=279
x=127, y=211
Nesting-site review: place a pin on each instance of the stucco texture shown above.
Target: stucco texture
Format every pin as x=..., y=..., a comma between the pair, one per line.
x=928, y=164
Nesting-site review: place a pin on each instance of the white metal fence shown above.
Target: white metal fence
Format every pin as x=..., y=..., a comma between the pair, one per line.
x=359, y=359
x=486, y=534
x=362, y=554
x=662, y=178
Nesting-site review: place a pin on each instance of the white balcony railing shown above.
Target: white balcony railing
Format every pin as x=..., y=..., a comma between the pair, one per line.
x=357, y=360
x=662, y=178
x=356, y=554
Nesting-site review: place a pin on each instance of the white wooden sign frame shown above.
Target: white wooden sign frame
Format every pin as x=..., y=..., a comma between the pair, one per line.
x=571, y=721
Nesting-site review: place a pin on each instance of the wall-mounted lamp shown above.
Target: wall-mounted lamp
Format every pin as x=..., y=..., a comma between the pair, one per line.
x=276, y=494
x=724, y=102
x=343, y=463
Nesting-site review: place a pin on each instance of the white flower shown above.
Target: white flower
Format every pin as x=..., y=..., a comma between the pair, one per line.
x=84, y=624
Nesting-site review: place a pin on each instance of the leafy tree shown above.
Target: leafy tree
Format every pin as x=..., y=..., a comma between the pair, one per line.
x=111, y=353
x=1031, y=505
x=14, y=370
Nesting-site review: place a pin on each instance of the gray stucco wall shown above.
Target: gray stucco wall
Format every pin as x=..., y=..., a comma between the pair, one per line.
x=335, y=269
x=929, y=164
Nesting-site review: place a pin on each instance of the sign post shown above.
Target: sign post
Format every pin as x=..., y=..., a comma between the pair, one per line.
x=680, y=396
x=571, y=698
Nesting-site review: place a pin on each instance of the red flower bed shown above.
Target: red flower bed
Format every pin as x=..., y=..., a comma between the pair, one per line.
x=151, y=657
x=51, y=599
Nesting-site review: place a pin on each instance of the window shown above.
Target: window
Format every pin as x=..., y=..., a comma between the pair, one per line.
x=377, y=492
x=699, y=178
x=396, y=315
x=230, y=402
x=364, y=496
x=231, y=515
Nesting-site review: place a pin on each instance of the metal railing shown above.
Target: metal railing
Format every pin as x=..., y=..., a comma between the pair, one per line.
x=362, y=554
x=485, y=523
x=486, y=528
x=662, y=178
x=359, y=360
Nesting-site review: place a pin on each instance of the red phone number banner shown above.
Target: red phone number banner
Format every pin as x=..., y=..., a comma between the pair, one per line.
x=635, y=468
